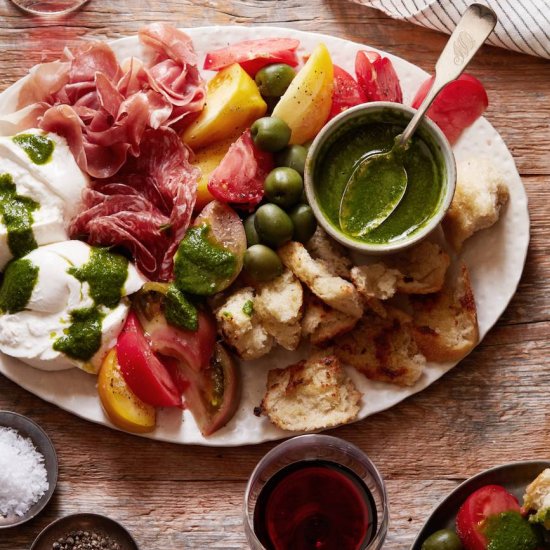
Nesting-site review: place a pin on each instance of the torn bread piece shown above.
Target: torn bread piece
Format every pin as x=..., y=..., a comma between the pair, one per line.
x=279, y=305
x=418, y=270
x=321, y=323
x=383, y=349
x=335, y=291
x=240, y=326
x=480, y=194
x=446, y=326
x=310, y=395
x=322, y=247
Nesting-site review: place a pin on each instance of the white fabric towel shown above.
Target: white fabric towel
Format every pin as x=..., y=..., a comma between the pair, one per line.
x=523, y=25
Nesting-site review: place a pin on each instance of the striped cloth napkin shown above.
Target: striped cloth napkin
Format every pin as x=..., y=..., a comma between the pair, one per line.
x=523, y=25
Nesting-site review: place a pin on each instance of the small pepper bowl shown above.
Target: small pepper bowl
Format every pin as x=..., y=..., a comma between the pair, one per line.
x=29, y=429
x=361, y=115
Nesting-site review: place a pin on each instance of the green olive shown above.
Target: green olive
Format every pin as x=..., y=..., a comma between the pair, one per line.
x=273, y=80
x=270, y=133
x=273, y=225
x=446, y=539
x=261, y=263
x=304, y=223
x=283, y=186
x=293, y=156
x=252, y=236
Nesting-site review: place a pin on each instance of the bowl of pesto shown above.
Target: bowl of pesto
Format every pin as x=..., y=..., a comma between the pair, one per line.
x=358, y=133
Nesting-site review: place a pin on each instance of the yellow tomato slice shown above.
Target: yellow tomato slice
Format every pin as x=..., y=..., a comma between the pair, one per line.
x=123, y=407
x=305, y=105
x=233, y=102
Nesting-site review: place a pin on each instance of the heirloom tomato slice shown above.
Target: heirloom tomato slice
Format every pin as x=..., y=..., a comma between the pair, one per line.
x=377, y=77
x=346, y=92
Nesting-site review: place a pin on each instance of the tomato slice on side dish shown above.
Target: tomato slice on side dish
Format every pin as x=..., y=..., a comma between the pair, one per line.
x=457, y=106
x=377, y=77
x=488, y=501
x=346, y=92
x=252, y=55
x=239, y=178
x=147, y=377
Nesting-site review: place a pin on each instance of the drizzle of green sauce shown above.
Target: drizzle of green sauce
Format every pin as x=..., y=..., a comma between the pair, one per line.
x=19, y=280
x=424, y=187
x=16, y=212
x=248, y=308
x=510, y=531
x=83, y=336
x=179, y=311
x=218, y=383
x=38, y=148
x=200, y=266
x=106, y=274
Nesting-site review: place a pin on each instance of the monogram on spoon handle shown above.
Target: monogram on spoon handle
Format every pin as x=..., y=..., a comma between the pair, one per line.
x=472, y=30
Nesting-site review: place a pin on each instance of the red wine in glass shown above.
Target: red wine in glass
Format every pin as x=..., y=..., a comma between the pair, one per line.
x=315, y=505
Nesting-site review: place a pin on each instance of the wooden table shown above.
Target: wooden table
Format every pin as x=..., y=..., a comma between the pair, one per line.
x=492, y=408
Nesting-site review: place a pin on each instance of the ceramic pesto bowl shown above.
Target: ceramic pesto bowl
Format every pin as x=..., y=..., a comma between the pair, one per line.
x=336, y=152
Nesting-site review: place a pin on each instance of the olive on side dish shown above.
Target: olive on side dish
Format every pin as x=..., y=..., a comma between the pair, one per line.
x=252, y=236
x=283, y=186
x=270, y=134
x=293, y=156
x=304, y=223
x=261, y=263
x=273, y=225
x=273, y=80
x=446, y=539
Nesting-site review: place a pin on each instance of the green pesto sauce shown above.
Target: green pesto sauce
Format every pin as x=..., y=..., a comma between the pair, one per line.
x=16, y=212
x=106, y=274
x=83, y=336
x=510, y=531
x=424, y=187
x=200, y=266
x=19, y=280
x=248, y=308
x=38, y=148
x=179, y=311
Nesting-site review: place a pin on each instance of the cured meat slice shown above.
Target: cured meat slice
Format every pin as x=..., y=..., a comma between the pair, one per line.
x=147, y=207
x=240, y=176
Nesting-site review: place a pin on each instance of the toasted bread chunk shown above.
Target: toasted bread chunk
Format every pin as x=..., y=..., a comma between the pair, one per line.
x=419, y=270
x=537, y=499
x=446, y=323
x=240, y=326
x=279, y=304
x=480, y=194
x=335, y=291
x=383, y=348
x=322, y=247
x=310, y=395
x=322, y=323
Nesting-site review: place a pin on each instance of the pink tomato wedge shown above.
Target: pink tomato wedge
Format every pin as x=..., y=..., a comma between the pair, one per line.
x=377, y=78
x=252, y=55
x=346, y=92
x=457, y=106
x=144, y=373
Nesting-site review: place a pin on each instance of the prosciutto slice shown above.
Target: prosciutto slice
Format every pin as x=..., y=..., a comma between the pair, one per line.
x=103, y=109
x=147, y=207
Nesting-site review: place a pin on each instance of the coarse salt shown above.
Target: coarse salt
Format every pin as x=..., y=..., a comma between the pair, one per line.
x=23, y=476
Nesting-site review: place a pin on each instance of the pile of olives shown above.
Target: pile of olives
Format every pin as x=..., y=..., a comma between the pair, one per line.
x=286, y=215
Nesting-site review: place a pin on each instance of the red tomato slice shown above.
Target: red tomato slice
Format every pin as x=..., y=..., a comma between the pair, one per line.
x=252, y=55
x=346, y=92
x=377, y=77
x=147, y=377
x=488, y=501
x=240, y=176
x=457, y=106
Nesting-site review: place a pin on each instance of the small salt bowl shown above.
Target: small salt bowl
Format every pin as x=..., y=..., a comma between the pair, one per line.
x=27, y=428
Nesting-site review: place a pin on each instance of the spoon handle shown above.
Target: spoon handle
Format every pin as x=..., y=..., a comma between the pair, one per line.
x=476, y=24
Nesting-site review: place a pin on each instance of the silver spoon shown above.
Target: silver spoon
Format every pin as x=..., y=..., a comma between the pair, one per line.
x=476, y=24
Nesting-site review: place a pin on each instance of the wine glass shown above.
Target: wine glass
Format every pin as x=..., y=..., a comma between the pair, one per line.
x=48, y=7
x=318, y=492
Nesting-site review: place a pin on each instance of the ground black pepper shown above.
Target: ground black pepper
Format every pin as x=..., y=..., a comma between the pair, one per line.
x=86, y=540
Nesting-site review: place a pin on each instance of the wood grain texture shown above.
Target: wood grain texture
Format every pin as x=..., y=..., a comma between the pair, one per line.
x=490, y=409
